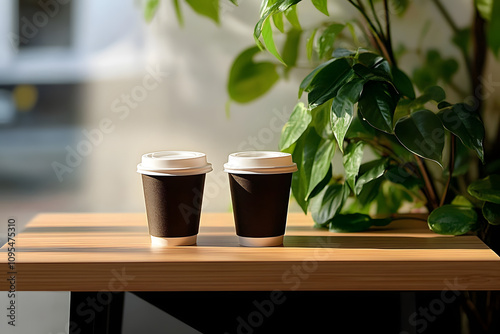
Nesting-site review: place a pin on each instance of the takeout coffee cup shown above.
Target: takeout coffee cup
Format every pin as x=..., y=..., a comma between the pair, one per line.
x=260, y=190
x=173, y=184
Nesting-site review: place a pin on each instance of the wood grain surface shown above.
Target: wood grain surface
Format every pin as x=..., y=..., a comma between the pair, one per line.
x=92, y=252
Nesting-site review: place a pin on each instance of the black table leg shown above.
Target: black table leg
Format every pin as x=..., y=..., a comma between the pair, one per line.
x=96, y=312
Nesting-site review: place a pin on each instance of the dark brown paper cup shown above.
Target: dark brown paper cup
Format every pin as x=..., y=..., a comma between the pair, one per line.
x=260, y=205
x=173, y=205
x=260, y=190
x=173, y=183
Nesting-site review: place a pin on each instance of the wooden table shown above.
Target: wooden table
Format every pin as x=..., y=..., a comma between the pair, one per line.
x=91, y=252
x=98, y=256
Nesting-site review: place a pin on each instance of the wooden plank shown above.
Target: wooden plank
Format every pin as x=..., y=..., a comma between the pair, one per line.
x=89, y=252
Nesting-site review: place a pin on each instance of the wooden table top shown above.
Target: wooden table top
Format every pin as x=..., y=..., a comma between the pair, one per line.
x=92, y=252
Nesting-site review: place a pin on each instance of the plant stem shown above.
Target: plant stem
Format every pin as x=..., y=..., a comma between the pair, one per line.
x=451, y=166
x=429, y=186
x=388, y=43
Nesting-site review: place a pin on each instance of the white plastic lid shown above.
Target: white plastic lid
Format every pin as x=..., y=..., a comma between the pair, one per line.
x=174, y=163
x=260, y=162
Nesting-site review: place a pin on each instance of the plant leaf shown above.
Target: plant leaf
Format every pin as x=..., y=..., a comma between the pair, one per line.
x=267, y=36
x=354, y=222
x=462, y=201
x=487, y=189
x=452, y=220
x=484, y=8
x=150, y=8
x=291, y=49
x=178, y=12
x=208, y=8
x=292, y=17
x=310, y=44
x=304, y=85
x=399, y=175
x=322, y=6
x=403, y=83
x=321, y=120
x=278, y=21
x=491, y=211
x=465, y=123
x=297, y=124
x=352, y=161
x=377, y=104
x=321, y=164
x=370, y=191
x=343, y=109
x=327, y=39
x=422, y=133
x=303, y=155
x=249, y=80
x=326, y=83
x=328, y=202
x=368, y=172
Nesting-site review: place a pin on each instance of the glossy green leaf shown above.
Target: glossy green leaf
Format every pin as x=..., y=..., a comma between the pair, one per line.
x=491, y=211
x=487, y=189
x=452, y=220
x=352, y=161
x=321, y=164
x=355, y=222
x=326, y=83
x=297, y=124
x=303, y=155
x=368, y=172
x=306, y=83
x=328, y=202
x=267, y=36
x=207, y=8
x=370, y=191
x=150, y=8
x=249, y=80
x=422, y=133
x=371, y=74
x=291, y=49
x=403, y=83
x=322, y=6
x=343, y=109
x=465, y=123
x=360, y=129
x=377, y=104
x=433, y=93
x=278, y=21
x=269, y=8
x=399, y=175
x=292, y=17
x=321, y=120
x=494, y=28
x=462, y=201
x=326, y=180
x=310, y=44
x=327, y=38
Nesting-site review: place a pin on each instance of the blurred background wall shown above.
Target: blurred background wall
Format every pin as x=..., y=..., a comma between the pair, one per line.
x=89, y=87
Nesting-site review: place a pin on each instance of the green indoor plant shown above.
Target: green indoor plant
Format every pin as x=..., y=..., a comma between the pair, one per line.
x=427, y=153
x=359, y=100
